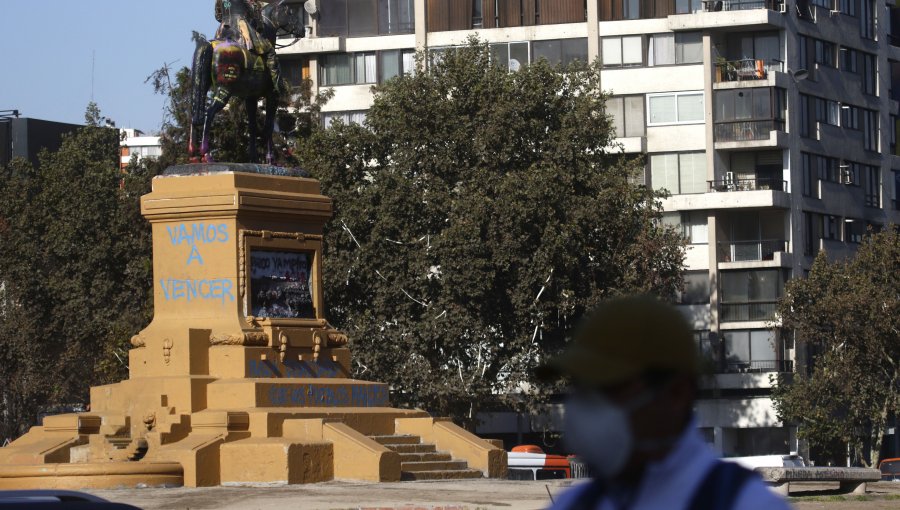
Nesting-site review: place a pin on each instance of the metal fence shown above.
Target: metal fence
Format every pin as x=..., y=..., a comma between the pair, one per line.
x=734, y=312
x=747, y=130
x=740, y=251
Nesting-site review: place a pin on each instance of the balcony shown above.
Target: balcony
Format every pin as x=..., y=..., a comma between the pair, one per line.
x=757, y=366
x=759, y=184
x=744, y=312
x=742, y=5
x=747, y=130
x=746, y=69
x=742, y=251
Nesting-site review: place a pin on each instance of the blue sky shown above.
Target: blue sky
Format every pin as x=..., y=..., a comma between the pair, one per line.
x=48, y=44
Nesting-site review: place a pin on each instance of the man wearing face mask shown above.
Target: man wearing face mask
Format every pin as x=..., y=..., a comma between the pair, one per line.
x=633, y=368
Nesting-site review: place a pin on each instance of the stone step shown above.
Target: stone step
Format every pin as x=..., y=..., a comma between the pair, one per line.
x=454, y=474
x=412, y=448
x=399, y=439
x=290, y=392
x=434, y=465
x=424, y=457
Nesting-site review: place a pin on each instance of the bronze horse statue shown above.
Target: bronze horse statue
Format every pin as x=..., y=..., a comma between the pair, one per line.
x=230, y=66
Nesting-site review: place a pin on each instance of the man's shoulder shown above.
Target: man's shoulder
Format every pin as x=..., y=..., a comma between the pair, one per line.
x=756, y=494
x=576, y=496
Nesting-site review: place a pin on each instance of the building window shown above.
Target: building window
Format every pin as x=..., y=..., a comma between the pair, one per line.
x=849, y=60
x=854, y=230
x=622, y=51
x=827, y=111
x=688, y=6
x=680, y=48
x=748, y=114
x=830, y=227
x=872, y=186
x=393, y=63
x=348, y=69
x=511, y=55
x=870, y=129
x=560, y=51
x=849, y=117
x=627, y=114
x=349, y=117
x=806, y=162
x=869, y=74
x=824, y=53
x=360, y=18
x=867, y=19
x=696, y=288
x=680, y=174
x=675, y=108
x=848, y=7
x=750, y=295
x=751, y=351
x=695, y=229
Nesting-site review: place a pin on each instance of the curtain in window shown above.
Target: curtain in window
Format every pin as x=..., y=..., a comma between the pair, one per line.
x=337, y=69
x=664, y=172
x=692, y=172
x=390, y=65
x=615, y=108
x=661, y=50
x=662, y=109
x=689, y=48
x=690, y=107
x=409, y=62
x=634, y=116
x=737, y=346
x=446, y=15
x=396, y=16
x=333, y=18
x=611, y=10
x=509, y=13
x=612, y=51
x=632, y=51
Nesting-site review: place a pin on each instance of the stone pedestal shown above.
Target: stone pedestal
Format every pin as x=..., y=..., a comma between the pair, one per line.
x=239, y=377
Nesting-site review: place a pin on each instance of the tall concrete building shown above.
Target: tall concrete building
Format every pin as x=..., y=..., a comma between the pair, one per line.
x=770, y=122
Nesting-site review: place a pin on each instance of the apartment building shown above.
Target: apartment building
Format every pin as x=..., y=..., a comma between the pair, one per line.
x=136, y=143
x=772, y=123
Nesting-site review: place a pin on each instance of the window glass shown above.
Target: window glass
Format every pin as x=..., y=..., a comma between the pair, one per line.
x=662, y=49
x=737, y=346
x=615, y=109
x=662, y=109
x=336, y=69
x=688, y=48
x=518, y=55
x=631, y=50
x=690, y=107
x=333, y=18
x=551, y=51
x=762, y=106
x=574, y=49
x=409, y=62
x=389, y=62
x=762, y=345
x=692, y=169
x=634, y=116
x=612, y=51
x=743, y=105
x=696, y=288
x=664, y=172
x=361, y=18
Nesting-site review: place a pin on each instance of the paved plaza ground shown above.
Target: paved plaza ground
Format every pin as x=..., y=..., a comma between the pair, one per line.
x=451, y=495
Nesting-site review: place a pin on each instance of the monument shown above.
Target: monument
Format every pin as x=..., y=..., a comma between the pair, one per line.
x=239, y=378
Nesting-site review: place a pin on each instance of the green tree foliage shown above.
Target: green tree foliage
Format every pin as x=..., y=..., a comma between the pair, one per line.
x=75, y=264
x=849, y=313
x=478, y=215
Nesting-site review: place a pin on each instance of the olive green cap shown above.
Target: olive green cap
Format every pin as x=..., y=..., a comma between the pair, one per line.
x=625, y=338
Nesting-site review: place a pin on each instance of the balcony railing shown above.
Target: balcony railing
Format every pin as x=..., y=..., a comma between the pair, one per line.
x=746, y=69
x=747, y=184
x=741, y=251
x=758, y=366
x=741, y=5
x=736, y=312
x=747, y=130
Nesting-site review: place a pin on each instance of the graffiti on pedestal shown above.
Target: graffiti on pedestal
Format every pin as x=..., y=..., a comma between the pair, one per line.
x=310, y=395
x=197, y=235
x=300, y=369
x=279, y=285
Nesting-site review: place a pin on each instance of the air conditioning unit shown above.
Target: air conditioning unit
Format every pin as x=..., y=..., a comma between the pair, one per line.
x=846, y=174
x=729, y=177
x=782, y=7
x=835, y=7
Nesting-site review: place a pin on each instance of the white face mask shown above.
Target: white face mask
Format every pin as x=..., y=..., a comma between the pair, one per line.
x=599, y=431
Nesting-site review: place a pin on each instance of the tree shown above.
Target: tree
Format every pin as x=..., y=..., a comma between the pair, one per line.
x=848, y=312
x=75, y=262
x=478, y=214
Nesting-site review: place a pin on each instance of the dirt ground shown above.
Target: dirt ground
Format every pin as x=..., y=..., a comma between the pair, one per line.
x=451, y=495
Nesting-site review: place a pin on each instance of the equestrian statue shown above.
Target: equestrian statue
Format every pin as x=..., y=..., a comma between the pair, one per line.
x=240, y=62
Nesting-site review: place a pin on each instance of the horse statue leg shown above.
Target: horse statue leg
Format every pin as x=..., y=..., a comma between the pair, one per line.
x=201, y=81
x=271, y=112
x=221, y=95
x=251, y=103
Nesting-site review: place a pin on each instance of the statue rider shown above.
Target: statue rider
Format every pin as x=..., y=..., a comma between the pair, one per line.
x=246, y=17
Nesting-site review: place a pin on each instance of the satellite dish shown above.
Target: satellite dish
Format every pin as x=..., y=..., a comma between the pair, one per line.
x=311, y=7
